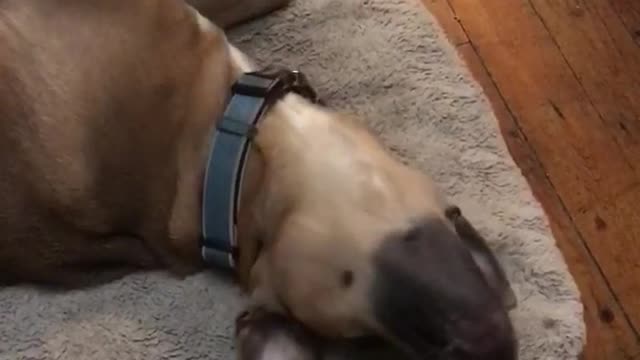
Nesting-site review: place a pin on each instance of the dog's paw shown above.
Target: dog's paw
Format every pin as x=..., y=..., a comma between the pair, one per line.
x=250, y=316
x=263, y=335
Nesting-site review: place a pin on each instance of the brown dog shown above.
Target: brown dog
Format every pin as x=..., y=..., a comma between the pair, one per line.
x=106, y=113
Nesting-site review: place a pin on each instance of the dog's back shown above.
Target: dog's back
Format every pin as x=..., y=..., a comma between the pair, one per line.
x=94, y=102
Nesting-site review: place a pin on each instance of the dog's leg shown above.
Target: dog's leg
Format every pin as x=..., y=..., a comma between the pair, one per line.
x=69, y=278
x=227, y=13
x=116, y=249
x=95, y=261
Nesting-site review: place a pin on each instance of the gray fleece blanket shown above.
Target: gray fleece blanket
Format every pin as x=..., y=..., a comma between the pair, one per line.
x=388, y=61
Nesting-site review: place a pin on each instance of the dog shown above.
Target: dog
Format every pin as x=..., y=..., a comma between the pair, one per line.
x=108, y=109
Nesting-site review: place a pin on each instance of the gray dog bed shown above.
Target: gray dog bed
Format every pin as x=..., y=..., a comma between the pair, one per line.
x=389, y=62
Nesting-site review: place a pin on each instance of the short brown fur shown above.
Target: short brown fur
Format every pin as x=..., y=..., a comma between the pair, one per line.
x=107, y=108
x=91, y=179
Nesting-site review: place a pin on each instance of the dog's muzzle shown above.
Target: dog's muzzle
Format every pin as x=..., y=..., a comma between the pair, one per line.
x=431, y=299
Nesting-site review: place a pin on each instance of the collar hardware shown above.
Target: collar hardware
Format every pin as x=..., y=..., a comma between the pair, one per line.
x=251, y=95
x=237, y=128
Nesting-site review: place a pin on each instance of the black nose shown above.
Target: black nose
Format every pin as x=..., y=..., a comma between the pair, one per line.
x=431, y=298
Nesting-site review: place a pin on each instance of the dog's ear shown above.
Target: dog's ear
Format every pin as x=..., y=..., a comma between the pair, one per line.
x=483, y=256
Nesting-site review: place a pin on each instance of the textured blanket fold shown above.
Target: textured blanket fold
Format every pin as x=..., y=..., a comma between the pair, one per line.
x=389, y=62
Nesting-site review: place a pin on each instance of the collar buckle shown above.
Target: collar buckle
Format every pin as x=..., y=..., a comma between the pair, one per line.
x=275, y=82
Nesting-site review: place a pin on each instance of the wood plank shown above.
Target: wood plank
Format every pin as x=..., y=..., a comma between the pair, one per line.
x=615, y=233
x=611, y=76
x=629, y=12
x=611, y=79
x=580, y=156
x=443, y=13
x=609, y=336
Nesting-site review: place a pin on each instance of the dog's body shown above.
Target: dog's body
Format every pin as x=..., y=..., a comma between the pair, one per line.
x=107, y=109
x=98, y=170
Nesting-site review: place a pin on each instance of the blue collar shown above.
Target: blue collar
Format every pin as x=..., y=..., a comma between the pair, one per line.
x=251, y=96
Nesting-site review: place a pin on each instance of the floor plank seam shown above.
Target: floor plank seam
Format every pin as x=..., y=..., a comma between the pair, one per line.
x=609, y=34
x=634, y=34
x=536, y=159
x=628, y=320
x=635, y=330
x=582, y=88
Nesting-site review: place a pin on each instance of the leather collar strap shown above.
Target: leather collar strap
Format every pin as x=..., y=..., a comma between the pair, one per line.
x=252, y=94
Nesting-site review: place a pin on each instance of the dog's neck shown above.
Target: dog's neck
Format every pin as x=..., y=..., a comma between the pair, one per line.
x=270, y=168
x=285, y=147
x=301, y=153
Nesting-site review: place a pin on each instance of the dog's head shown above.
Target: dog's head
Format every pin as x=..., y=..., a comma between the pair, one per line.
x=367, y=245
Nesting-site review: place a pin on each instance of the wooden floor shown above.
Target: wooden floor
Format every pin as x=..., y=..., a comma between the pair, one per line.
x=564, y=79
